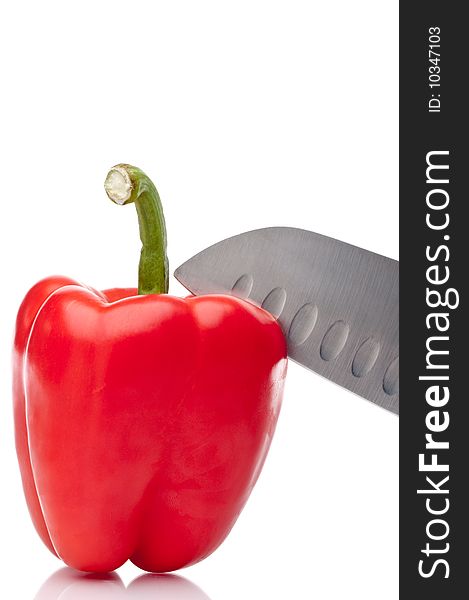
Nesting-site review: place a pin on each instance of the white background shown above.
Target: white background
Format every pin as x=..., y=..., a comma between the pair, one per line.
x=246, y=114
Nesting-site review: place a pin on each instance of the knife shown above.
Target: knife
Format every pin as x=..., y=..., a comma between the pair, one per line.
x=337, y=304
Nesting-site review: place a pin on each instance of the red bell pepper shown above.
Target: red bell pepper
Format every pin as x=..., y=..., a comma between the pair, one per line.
x=142, y=420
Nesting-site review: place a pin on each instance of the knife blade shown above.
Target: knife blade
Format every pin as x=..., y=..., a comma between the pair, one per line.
x=337, y=304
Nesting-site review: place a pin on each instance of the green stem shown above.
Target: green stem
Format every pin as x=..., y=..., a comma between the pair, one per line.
x=126, y=184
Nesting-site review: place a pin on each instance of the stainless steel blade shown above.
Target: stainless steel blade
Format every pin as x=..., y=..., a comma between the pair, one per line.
x=337, y=304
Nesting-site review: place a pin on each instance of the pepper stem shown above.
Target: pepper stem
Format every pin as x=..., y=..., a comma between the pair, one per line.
x=126, y=184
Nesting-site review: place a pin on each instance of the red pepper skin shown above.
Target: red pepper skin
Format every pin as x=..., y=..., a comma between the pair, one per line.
x=142, y=421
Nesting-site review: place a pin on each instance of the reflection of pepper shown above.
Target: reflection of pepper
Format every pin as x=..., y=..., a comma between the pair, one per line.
x=68, y=584
x=142, y=420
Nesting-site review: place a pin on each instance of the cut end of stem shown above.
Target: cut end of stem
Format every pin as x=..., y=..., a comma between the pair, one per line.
x=118, y=185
